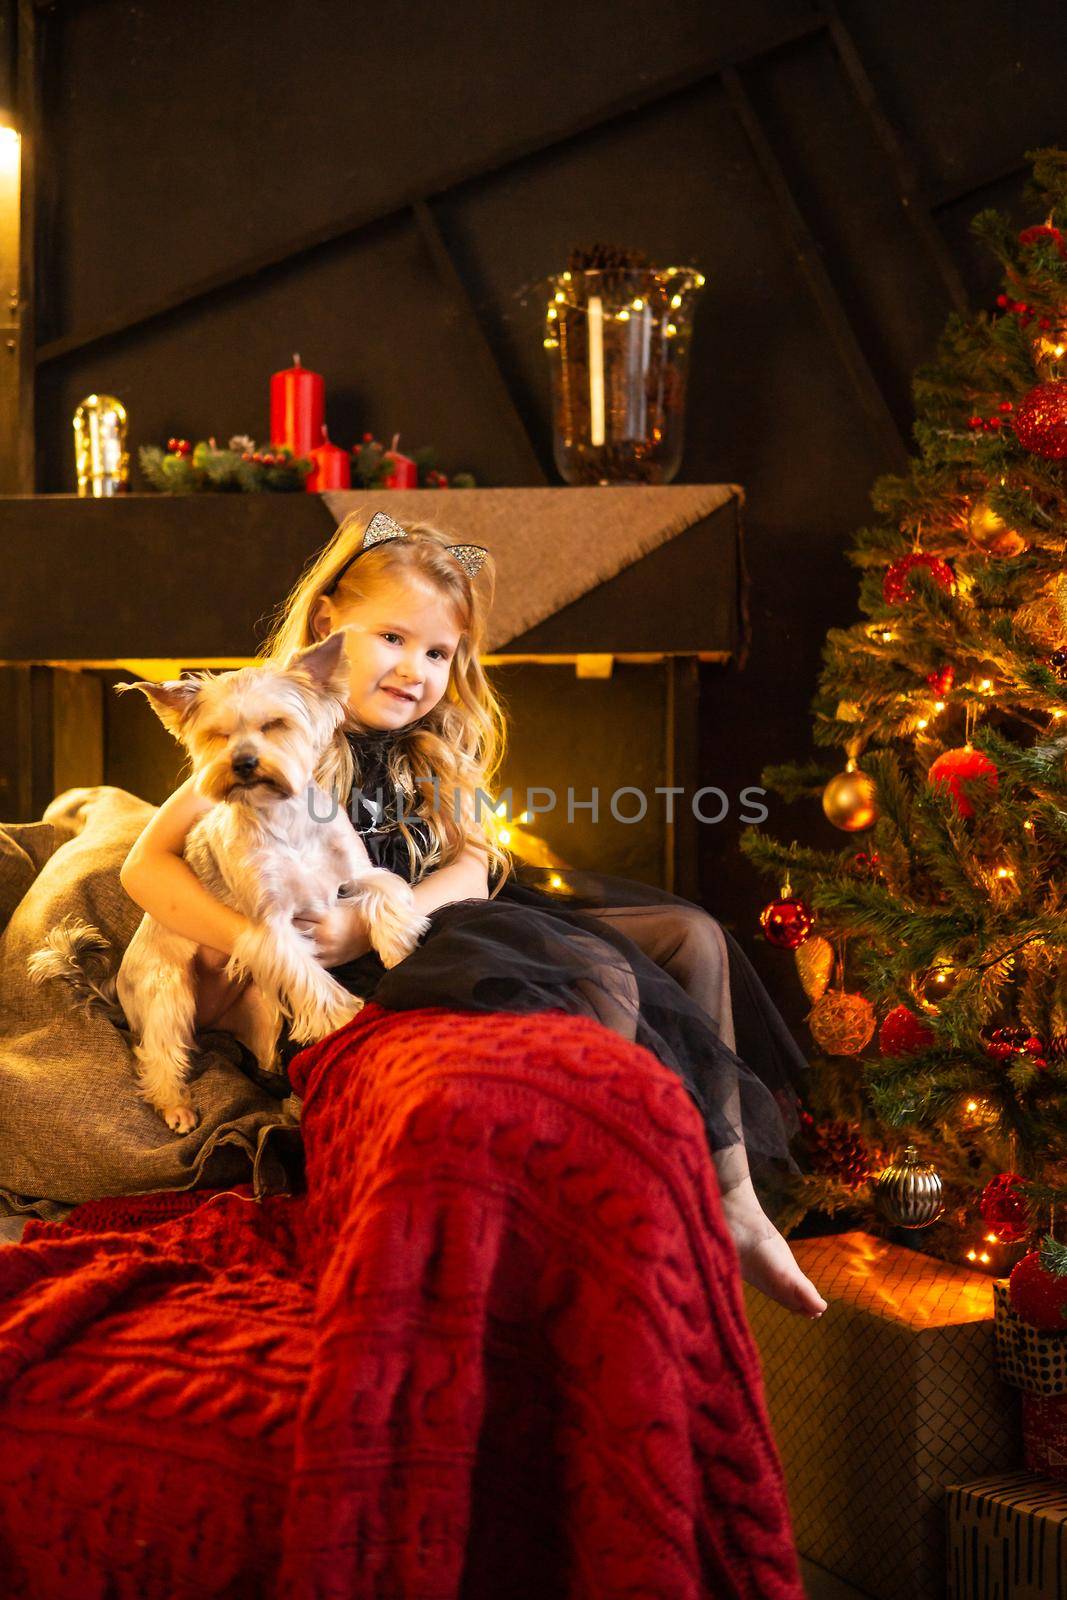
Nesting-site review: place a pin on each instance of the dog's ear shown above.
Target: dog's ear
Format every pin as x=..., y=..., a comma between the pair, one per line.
x=326, y=664
x=171, y=701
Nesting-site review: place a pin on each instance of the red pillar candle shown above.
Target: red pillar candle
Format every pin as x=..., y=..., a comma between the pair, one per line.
x=297, y=408
x=403, y=472
x=332, y=469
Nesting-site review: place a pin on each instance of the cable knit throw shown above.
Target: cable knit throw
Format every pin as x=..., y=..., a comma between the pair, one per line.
x=497, y=1351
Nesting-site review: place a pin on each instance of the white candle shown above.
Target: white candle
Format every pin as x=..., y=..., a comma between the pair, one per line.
x=596, y=370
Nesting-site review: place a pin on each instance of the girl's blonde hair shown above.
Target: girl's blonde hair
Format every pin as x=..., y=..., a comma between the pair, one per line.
x=460, y=743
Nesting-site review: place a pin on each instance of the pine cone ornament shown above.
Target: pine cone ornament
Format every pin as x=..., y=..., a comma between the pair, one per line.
x=837, y=1150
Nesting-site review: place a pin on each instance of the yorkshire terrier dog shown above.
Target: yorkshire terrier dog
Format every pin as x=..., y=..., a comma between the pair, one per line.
x=255, y=737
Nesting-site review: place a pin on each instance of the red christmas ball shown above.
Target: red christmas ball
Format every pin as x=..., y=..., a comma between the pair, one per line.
x=1041, y=420
x=902, y=1033
x=786, y=923
x=956, y=767
x=896, y=588
x=1005, y=1208
x=1039, y=1295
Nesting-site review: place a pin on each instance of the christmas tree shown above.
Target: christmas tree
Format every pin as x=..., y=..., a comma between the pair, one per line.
x=934, y=945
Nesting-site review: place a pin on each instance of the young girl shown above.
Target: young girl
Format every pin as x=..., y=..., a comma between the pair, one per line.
x=424, y=729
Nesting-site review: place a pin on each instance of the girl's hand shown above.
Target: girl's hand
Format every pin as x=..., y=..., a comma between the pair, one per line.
x=340, y=934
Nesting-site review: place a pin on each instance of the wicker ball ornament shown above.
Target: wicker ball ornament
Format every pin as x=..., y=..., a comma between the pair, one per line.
x=842, y=1024
x=815, y=965
x=896, y=586
x=1041, y=421
x=954, y=768
x=850, y=801
x=909, y=1192
x=786, y=923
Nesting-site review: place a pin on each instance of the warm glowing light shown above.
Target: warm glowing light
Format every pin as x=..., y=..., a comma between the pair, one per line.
x=556, y=881
x=1028, y=826
x=1058, y=716
x=923, y=722
x=991, y=1238
x=639, y=304
x=676, y=301
x=985, y=685
x=699, y=280
x=671, y=330
x=502, y=809
x=551, y=344
x=939, y=705
x=984, y=1257
x=524, y=818
x=559, y=297
x=566, y=277
x=972, y=1255
x=504, y=835
x=10, y=144
x=1005, y=872
x=552, y=313
x=623, y=315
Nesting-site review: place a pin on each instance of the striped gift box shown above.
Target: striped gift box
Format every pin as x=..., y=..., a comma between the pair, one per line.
x=1007, y=1539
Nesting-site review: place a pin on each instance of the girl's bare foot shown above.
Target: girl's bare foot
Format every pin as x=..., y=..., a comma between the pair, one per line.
x=767, y=1262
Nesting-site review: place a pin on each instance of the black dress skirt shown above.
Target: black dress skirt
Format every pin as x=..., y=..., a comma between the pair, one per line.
x=554, y=942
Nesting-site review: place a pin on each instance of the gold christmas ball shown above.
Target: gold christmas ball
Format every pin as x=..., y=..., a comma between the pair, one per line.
x=851, y=801
x=909, y=1192
x=815, y=963
x=991, y=533
x=842, y=1024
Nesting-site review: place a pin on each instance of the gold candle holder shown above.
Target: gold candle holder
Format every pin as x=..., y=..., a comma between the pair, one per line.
x=100, y=455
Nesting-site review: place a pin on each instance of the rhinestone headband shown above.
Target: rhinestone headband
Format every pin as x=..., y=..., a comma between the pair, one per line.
x=381, y=529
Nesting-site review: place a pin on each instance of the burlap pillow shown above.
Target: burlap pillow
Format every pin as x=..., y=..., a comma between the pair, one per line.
x=72, y=1125
x=24, y=848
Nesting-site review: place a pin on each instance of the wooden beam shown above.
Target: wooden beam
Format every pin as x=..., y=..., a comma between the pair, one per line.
x=809, y=259
x=910, y=191
x=283, y=255
x=496, y=387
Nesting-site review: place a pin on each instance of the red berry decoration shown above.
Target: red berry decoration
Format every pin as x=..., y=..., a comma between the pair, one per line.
x=1043, y=231
x=1037, y=1288
x=955, y=768
x=786, y=923
x=896, y=589
x=1041, y=420
x=902, y=1033
x=1005, y=1208
x=942, y=679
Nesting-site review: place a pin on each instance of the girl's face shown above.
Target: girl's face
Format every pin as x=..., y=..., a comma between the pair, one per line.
x=400, y=644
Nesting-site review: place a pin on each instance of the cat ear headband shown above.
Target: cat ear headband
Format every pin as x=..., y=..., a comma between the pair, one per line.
x=381, y=529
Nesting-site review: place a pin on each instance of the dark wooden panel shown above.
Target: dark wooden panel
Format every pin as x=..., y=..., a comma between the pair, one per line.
x=194, y=578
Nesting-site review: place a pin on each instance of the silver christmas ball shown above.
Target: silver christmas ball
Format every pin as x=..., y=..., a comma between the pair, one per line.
x=909, y=1193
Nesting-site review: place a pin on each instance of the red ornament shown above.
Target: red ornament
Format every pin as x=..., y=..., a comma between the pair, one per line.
x=786, y=923
x=1041, y=420
x=403, y=472
x=1037, y=1292
x=1005, y=1208
x=1042, y=231
x=896, y=589
x=902, y=1033
x=942, y=679
x=956, y=767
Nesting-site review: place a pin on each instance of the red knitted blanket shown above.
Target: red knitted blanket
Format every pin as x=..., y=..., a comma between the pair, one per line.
x=497, y=1351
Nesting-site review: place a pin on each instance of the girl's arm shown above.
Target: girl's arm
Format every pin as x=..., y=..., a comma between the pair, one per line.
x=163, y=884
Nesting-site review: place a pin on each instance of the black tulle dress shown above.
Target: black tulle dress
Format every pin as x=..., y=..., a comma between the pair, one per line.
x=537, y=948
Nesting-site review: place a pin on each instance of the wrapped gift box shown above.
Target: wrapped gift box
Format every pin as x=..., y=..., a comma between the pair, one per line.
x=1007, y=1539
x=1028, y=1358
x=892, y=1395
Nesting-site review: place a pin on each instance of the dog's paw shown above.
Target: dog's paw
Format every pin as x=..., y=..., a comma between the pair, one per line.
x=312, y=1023
x=395, y=937
x=181, y=1118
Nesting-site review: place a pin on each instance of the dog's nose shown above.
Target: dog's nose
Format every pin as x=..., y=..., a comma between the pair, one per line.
x=244, y=765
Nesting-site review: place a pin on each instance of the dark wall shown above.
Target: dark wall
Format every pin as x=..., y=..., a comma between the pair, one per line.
x=191, y=144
